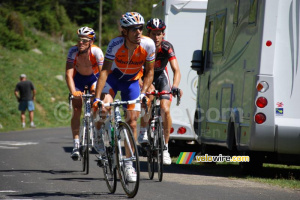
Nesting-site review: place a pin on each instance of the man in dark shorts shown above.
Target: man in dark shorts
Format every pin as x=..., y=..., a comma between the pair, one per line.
x=164, y=54
x=25, y=94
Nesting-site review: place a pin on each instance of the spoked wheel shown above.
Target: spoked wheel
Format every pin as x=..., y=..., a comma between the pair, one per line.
x=126, y=140
x=82, y=148
x=160, y=149
x=85, y=147
x=150, y=156
x=109, y=170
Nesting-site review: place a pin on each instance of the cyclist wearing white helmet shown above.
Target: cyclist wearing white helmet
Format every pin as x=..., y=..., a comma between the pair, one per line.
x=84, y=61
x=122, y=69
x=164, y=53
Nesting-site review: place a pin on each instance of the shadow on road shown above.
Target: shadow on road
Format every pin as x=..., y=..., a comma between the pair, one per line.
x=229, y=170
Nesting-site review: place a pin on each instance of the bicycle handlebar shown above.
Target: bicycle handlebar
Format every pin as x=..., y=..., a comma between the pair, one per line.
x=156, y=93
x=118, y=103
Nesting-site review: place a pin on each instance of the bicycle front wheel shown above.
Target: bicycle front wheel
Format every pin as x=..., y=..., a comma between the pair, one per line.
x=125, y=158
x=109, y=169
x=150, y=155
x=160, y=149
x=85, y=146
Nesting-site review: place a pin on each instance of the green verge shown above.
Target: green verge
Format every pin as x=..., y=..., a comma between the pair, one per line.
x=273, y=174
x=46, y=70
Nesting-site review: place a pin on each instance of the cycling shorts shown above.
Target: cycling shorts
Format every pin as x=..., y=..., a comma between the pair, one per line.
x=23, y=105
x=130, y=90
x=161, y=83
x=81, y=81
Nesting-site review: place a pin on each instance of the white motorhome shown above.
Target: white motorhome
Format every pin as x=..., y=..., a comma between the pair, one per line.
x=249, y=79
x=185, y=21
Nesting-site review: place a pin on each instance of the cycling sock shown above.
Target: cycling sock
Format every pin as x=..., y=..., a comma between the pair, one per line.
x=23, y=124
x=128, y=164
x=167, y=147
x=76, y=142
x=32, y=123
x=143, y=130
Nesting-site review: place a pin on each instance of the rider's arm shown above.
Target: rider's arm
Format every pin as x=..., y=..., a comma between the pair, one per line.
x=103, y=77
x=69, y=77
x=148, y=78
x=176, y=71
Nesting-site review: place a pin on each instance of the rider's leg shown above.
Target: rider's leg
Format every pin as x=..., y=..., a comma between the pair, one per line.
x=99, y=138
x=166, y=116
x=145, y=118
x=167, y=123
x=75, y=126
x=75, y=121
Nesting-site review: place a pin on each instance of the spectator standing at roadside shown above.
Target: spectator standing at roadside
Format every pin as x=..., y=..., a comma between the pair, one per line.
x=25, y=94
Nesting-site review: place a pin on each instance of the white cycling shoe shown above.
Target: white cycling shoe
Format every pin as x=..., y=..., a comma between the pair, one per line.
x=167, y=158
x=130, y=174
x=143, y=138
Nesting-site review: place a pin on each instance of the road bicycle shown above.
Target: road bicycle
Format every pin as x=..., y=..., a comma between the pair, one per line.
x=86, y=132
x=155, y=133
x=118, y=136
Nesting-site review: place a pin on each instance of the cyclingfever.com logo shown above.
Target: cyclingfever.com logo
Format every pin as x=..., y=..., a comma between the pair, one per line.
x=188, y=157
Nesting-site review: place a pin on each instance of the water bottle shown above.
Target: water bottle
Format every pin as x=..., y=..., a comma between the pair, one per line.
x=112, y=136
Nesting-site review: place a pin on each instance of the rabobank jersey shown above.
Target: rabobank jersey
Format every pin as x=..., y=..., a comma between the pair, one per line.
x=125, y=68
x=96, y=57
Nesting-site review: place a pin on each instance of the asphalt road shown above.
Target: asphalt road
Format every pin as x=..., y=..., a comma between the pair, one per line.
x=36, y=164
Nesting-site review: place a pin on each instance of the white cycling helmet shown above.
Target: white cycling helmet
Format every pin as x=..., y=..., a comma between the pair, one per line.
x=87, y=32
x=131, y=18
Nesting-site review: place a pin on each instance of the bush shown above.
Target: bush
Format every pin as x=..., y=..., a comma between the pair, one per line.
x=15, y=24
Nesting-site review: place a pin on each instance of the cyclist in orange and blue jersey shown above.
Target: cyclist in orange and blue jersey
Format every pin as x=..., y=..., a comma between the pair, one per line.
x=122, y=69
x=84, y=62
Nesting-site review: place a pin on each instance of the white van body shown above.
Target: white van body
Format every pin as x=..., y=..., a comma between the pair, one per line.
x=184, y=21
x=248, y=46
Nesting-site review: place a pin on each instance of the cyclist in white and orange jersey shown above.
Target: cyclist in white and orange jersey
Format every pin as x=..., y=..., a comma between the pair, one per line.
x=84, y=62
x=122, y=69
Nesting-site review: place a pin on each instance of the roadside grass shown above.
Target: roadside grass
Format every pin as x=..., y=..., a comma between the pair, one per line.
x=46, y=70
x=273, y=174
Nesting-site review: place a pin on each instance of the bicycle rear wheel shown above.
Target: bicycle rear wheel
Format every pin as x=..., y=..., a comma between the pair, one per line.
x=160, y=149
x=126, y=139
x=109, y=170
x=150, y=155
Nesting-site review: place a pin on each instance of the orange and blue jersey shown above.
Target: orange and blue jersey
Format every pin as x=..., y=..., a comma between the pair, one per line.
x=125, y=68
x=96, y=57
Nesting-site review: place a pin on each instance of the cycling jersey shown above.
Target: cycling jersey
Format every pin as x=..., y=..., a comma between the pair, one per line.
x=165, y=54
x=95, y=56
x=96, y=59
x=161, y=79
x=125, y=68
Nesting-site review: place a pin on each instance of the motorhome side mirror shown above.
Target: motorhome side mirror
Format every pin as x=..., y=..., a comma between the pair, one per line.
x=197, y=62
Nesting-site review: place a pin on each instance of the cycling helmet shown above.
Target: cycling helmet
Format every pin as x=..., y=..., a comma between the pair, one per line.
x=86, y=31
x=131, y=18
x=156, y=24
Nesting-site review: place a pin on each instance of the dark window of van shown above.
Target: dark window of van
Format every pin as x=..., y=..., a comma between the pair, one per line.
x=219, y=32
x=207, y=44
x=236, y=12
x=253, y=12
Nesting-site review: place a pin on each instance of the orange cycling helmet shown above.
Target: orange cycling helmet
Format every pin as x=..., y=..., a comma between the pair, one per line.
x=156, y=24
x=131, y=18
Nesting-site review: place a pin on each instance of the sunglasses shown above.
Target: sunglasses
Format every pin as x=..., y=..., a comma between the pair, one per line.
x=135, y=28
x=83, y=40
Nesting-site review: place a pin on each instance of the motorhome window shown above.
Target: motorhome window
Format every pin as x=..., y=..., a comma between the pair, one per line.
x=236, y=12
x=253, y=12
x=205, y=34
x=219, y=33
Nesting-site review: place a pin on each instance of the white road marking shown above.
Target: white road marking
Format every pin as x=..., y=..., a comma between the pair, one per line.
x=14, y=144
x=7, y=191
